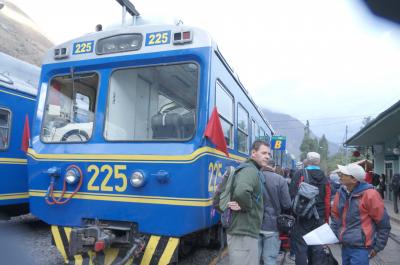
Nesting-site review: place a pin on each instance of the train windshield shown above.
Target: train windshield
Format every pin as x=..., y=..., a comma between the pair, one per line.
x=69, y=110
x=152, y=103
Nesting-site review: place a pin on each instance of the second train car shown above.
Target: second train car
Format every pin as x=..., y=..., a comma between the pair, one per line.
x=119, y=165
x=18, y=89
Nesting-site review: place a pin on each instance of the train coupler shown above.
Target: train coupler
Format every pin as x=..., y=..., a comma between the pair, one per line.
x=115, y=242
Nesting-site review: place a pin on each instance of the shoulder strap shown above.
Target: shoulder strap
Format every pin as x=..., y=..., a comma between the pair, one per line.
x=237, y=169
x=306, y=175
x=275, y=206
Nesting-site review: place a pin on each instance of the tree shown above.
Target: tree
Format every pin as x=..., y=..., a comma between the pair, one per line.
x=308, y=144
x=323, y=150
x=366, y=121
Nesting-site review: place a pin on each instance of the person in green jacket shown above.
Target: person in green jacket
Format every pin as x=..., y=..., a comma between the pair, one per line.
x=247, y=208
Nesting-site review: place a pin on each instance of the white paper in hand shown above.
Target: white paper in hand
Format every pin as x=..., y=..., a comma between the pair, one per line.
x=322, y=235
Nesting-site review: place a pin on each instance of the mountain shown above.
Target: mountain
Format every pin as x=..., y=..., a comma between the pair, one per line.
x=293, y=129
x=19, y=35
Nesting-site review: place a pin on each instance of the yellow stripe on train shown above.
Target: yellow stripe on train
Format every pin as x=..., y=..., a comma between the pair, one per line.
x=14, y=196
x=18, y=161
x=131, y=199
x=166, y=254
x=136, y=158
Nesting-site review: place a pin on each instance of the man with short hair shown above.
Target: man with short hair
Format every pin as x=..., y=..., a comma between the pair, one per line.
x=310, y=254
x=359, y=217
x=247, y=208
x=276, y=199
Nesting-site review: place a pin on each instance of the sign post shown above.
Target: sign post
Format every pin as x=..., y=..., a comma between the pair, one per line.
x=278, y=142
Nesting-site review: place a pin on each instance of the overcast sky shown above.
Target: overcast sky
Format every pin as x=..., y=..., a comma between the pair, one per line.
x=327, y=61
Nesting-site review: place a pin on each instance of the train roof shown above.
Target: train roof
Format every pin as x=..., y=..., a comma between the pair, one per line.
x=18, y=75
x=200, y=38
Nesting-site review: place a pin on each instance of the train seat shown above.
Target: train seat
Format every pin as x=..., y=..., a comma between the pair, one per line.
x=167, y=126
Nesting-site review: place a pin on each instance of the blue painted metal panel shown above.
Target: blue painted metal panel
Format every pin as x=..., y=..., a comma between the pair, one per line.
x=13, y=165
x=178, y=207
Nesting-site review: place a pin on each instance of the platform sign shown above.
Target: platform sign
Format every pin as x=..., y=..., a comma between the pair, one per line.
x=278, y=142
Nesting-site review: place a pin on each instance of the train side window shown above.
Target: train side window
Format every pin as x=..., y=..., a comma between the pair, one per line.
x=243, y=130
x=70, y=107
x=5, y=120
x=255, y=131
x=224, y=101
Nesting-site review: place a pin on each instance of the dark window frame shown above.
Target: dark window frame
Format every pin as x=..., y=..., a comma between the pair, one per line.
x=9, y=121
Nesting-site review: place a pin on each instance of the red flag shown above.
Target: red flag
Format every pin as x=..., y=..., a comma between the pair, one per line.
x=26, y=136
x=215, y=134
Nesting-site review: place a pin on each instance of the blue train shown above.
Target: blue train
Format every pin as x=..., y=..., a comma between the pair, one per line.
x=119, y=165
x=18, y=90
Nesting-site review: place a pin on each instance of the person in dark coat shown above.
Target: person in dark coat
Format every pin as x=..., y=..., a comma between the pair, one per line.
x=381, y=187
x=276, y=200
x=395, y=188
x=310, y=254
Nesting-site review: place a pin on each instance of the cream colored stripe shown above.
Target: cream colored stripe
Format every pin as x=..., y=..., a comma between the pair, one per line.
x=14, y=196
x=68, y=232
x=145, y=158
x=150, y=248
x=57, y=193
x=14, y=94
x=91, y=254
x=110, y=255
x=58, y=241
x=4, y=160
x=132, y=200
x=78, y=259
x=169, y=251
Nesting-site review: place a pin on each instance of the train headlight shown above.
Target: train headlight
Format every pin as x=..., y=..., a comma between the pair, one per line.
x=137, y=179
x=72, y=176
x=119, y=43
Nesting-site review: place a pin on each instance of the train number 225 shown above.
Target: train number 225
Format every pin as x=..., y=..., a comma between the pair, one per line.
x=214, y=173
x=109, y=172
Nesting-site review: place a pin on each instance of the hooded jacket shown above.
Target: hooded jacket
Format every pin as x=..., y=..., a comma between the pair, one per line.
x=247, y=192
x=278, y=189
x=359, y=218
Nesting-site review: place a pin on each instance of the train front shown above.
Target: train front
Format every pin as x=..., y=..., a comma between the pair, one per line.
x=116, y=164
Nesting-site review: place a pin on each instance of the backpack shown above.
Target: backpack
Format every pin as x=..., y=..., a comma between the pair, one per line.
x=304, y=203
x=222, y=195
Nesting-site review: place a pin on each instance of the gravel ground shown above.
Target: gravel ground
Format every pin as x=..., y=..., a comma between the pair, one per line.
x=202, y=256
x=25, y=240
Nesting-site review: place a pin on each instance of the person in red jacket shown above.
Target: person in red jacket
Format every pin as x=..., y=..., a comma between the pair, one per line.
x=359, y=217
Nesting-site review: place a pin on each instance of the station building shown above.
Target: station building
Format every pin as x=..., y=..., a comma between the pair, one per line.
x=382, y=135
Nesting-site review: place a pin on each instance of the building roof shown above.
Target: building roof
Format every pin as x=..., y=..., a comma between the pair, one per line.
x=381, y=129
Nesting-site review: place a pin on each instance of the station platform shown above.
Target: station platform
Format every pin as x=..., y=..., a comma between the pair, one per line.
x=389, y=256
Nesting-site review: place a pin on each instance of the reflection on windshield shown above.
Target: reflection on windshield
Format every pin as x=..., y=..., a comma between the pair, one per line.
x=69, y=110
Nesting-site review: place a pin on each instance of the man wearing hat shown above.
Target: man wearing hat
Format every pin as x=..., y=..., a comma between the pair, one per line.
x=313, y=175
x=359, y=217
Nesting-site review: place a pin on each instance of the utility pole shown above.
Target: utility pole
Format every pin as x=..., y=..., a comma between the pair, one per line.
x=345, y=156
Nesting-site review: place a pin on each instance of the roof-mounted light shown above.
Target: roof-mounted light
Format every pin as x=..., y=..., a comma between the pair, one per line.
x=183, y=37
x=61, y=53
x=119, y=43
